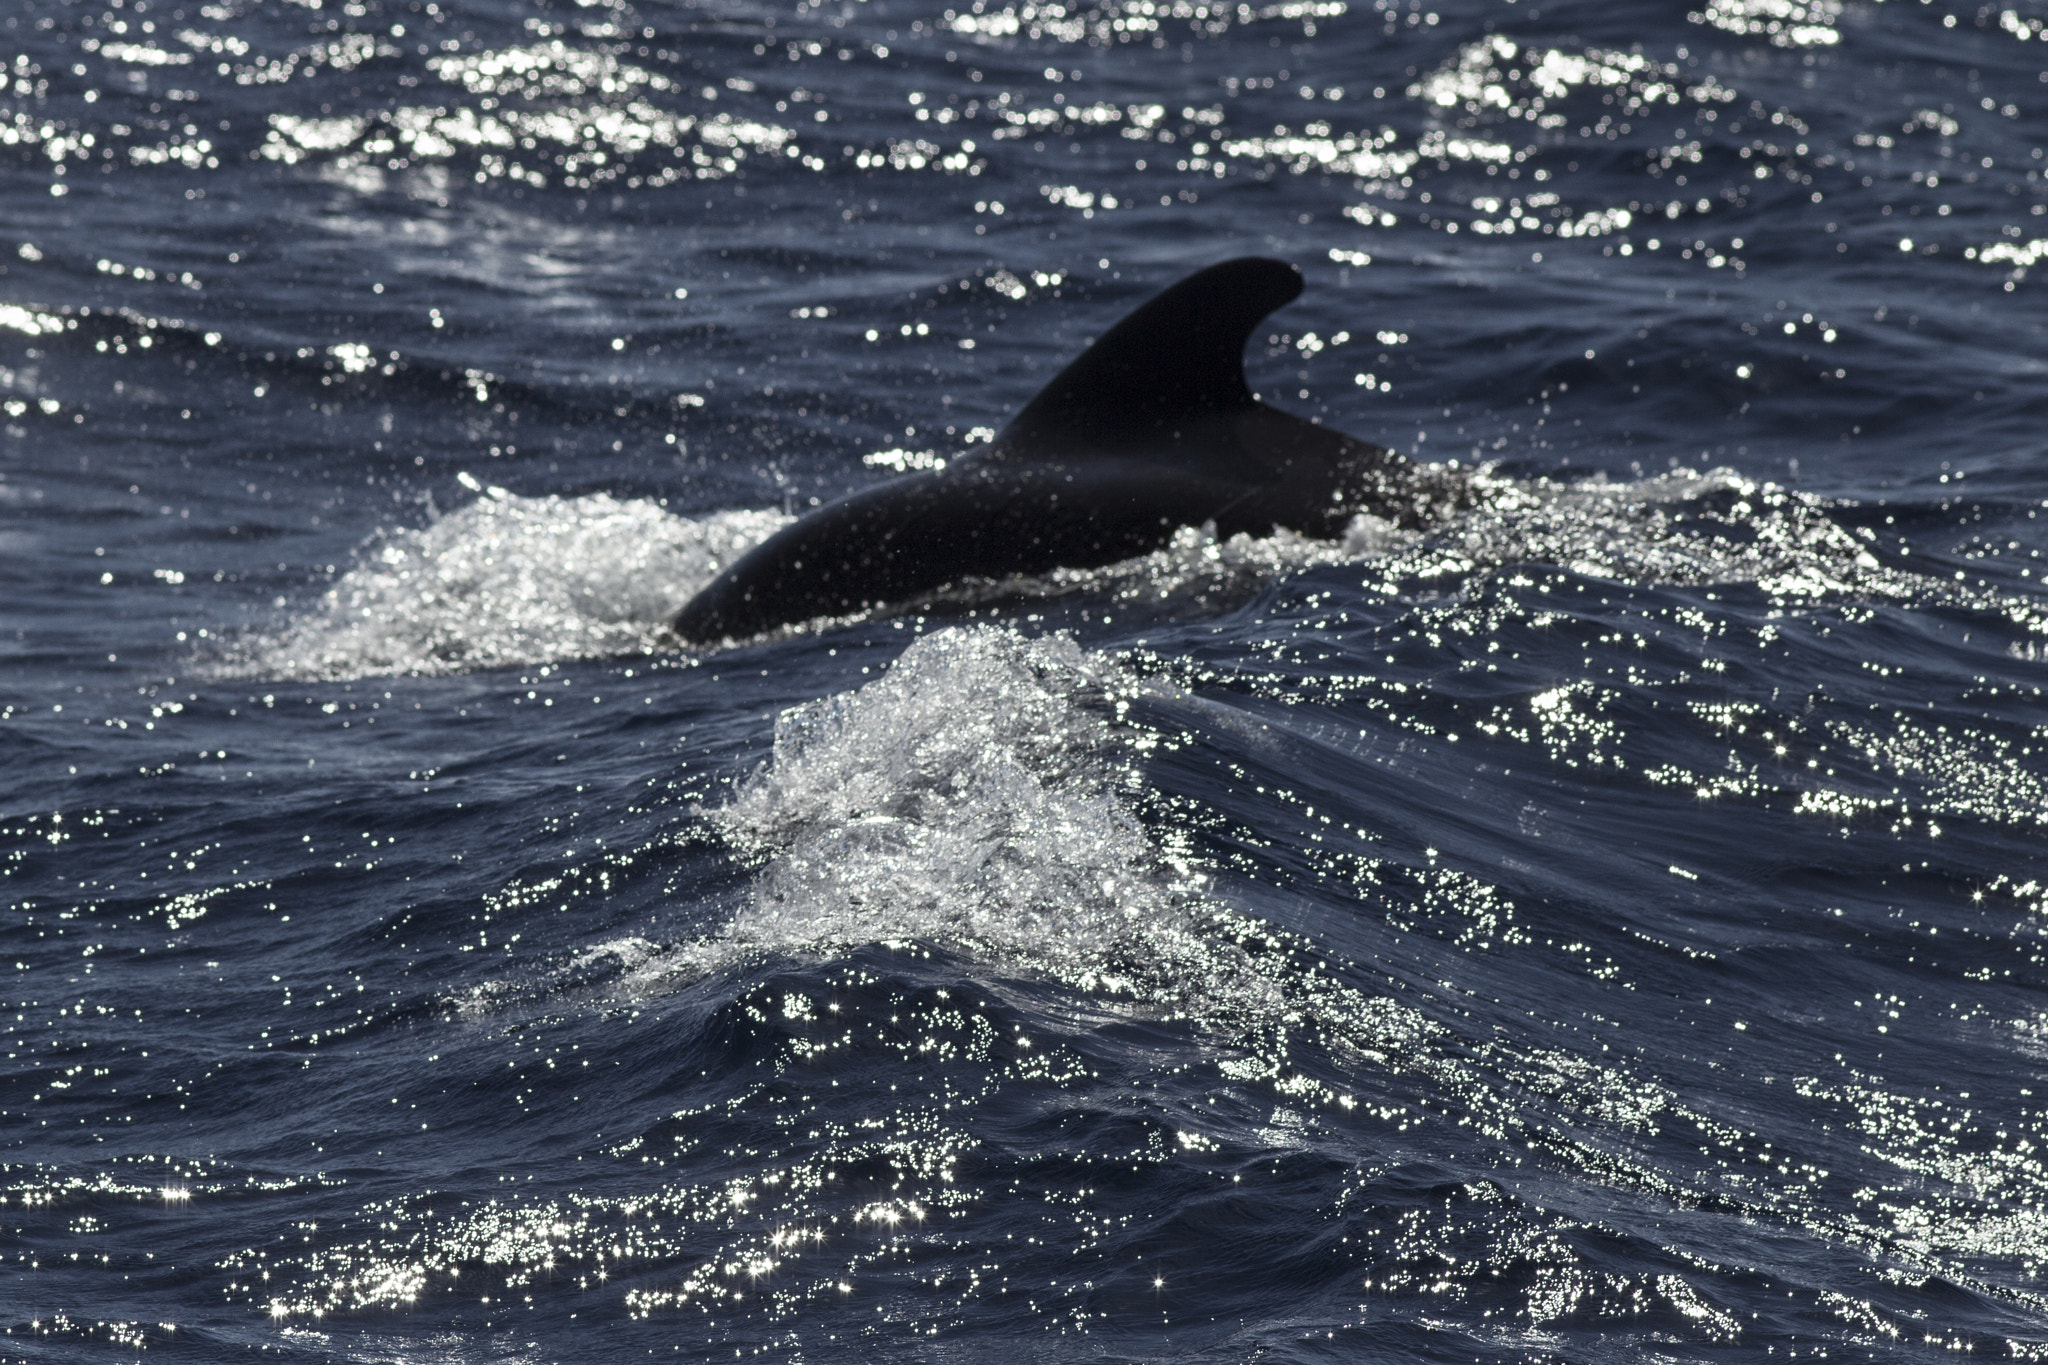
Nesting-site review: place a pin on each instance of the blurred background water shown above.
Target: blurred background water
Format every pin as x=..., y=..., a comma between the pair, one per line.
x=1606, y=927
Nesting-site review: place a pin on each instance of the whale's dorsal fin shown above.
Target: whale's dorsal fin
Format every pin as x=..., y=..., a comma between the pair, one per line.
x=1175, y=360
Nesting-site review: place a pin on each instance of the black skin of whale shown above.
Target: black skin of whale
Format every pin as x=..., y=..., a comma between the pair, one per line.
x=1150, y=429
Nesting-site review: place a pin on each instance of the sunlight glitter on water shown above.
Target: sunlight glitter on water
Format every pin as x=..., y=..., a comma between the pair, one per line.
x=1604, y=925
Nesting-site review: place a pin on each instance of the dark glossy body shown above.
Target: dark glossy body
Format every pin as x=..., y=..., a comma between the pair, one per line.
x=1151, y=429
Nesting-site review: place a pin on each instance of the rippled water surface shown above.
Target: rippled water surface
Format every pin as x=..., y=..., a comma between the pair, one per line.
x=1607, y=926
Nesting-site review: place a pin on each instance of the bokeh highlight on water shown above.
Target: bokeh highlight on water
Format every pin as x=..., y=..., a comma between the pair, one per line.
x=1607, y=926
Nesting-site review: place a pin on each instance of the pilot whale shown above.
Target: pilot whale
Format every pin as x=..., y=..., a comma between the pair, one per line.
x=1150, y=429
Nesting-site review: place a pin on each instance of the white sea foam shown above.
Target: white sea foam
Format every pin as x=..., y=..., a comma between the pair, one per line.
x=508, y=580
x=1685, y=528
x=967, y=797
x=1196, y=561
x=1682, y=527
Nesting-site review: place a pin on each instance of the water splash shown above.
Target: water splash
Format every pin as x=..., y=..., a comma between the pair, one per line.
x=967, y=797
x=508, y=580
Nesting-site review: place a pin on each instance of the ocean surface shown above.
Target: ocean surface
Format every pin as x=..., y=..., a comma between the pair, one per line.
x=1606, y=927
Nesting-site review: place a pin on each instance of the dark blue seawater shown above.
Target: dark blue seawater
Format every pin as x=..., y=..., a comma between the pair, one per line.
x=1606, y=927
